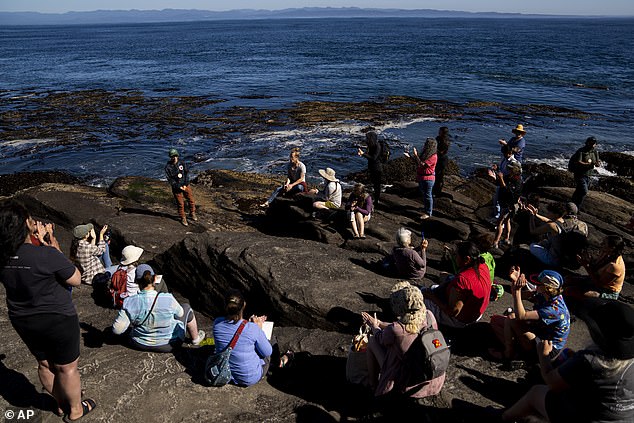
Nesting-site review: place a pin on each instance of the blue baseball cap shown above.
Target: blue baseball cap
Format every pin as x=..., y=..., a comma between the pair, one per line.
x=549, y=278
x=141, y=269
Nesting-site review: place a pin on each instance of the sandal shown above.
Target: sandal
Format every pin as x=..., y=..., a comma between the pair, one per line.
x=87, y=406
x=286, y=360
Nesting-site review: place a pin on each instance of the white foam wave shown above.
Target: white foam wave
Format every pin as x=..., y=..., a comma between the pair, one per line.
x=561, y=163
x=20, y=143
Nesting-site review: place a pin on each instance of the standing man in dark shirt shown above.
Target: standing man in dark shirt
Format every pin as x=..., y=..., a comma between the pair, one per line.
x=177, y=173
x=581, y=164
x=443, y=141
x=375, y=166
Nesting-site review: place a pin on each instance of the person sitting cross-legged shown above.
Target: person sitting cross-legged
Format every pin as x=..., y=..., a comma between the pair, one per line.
x=156, y=320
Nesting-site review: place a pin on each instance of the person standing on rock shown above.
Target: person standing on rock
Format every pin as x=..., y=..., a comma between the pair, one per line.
x=426, y=174
x=177, y=173
x=375, y=165
x=582, y=163
x=443, y=139
x=517, y=144
x=38, y=280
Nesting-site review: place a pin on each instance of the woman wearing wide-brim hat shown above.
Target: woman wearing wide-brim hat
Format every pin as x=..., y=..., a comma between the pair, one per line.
x=330, y=196
x=517, y=143
x=596, y=384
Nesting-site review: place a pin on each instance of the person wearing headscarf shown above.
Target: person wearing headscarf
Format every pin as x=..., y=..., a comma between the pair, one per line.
x=426, y=174
x=391, y=341
x=595, y=384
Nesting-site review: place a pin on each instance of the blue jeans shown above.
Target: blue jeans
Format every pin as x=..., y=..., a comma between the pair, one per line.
x=105, y=257
x=426, y=188
x=543, y=254
x=583, y=186
x=297, y=188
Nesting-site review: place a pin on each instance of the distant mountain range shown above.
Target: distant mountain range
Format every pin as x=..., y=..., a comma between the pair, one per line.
x=182, y=15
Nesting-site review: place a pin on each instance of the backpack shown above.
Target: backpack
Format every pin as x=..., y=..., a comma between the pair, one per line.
x=427, y=358
x=385, y=151
x=101, y=289
x=573, y=163
x=217, y=371
x=118, y=286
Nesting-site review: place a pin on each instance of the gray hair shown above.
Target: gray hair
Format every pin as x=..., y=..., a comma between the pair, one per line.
x=403, y=237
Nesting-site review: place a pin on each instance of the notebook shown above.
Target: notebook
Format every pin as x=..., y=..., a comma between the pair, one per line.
x=267, y=327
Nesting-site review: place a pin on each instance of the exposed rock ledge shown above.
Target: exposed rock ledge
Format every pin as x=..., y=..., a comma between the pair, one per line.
x=309, y=277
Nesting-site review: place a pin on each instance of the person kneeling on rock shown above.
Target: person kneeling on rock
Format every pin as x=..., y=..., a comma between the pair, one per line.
x=157, y=321
x=463, y=298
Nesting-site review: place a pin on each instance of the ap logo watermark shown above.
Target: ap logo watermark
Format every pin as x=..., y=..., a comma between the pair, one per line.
x=12, y=415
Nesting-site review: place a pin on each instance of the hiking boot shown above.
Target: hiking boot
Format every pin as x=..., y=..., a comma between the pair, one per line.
x=194, y=217
x=184, y=221
x=199, y=339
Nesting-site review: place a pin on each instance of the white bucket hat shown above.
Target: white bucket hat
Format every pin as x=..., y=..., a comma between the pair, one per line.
x=130, y=254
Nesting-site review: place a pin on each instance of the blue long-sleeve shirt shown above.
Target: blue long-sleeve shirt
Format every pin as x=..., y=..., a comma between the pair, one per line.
x=247, y=357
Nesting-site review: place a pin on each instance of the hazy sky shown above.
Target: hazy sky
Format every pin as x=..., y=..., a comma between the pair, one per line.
x=564, y=7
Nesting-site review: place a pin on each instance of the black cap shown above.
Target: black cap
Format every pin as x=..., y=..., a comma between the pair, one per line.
x=591, y=141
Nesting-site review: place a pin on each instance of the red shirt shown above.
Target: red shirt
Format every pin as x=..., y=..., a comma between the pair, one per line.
x=427, y=169
x=474, y=292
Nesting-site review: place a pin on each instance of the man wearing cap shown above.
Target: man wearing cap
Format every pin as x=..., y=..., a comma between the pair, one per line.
x=581, y=164
x=330, y=197
x=517, y=144
x=177, y=173
x=86, y=251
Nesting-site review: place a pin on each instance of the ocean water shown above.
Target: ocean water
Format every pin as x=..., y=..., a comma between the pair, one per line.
x=581, y=64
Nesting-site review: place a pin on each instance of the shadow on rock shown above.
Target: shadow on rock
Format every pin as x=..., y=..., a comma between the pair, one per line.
x=18, y=391
x=498, y=390
x=320, y=379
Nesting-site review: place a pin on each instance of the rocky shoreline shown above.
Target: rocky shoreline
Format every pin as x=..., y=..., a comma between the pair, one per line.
x=309, y=276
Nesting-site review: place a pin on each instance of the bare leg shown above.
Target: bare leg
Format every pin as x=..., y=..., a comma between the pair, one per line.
x=498, y=231
x=67, y=387
x=47, y=378
x=507, y=225
x=531, y=404
x=361, y=223
x=353, y=223
x=320, y=205
x=523, y=335
x=192, y=328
